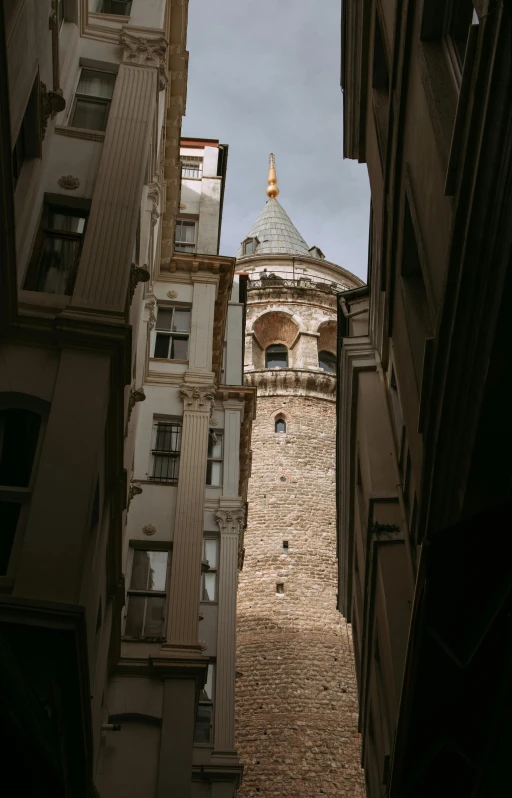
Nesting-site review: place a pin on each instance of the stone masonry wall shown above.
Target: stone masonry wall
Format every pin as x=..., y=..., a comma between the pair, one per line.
x=296, y=690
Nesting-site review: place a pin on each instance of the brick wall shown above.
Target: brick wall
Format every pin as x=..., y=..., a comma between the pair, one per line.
x=296, y=695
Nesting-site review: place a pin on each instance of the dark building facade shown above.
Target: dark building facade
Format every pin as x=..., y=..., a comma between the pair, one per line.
x=424, y=426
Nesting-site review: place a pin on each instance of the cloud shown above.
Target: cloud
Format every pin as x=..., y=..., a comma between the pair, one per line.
x=264, y=77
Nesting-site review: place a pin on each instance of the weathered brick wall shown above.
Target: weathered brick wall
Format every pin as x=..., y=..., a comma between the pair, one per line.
x=296, y=695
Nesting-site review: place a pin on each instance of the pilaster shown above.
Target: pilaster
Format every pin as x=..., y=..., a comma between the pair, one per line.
x=233, y=417
x=230, y=519
x=182, y=631
x=203, y=313
x=103, y=278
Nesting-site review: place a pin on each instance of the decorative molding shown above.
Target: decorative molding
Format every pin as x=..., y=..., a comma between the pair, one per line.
x=69, y=182
x=134, y=490
x=52, y=102
x=136, y=395
x=149, y=529
x=138, y=274
x=197, y=399
x=151, y=306
x=230, y=521
x=172, y=294
x=147, y=52
x=80, y=133
x=299, y=382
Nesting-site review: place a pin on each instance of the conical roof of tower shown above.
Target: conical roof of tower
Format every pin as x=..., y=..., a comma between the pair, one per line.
x=276, y=233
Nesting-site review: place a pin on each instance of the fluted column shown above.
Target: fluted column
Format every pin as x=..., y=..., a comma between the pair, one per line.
x=182, y=629
x=105, y=272
x=230, y=523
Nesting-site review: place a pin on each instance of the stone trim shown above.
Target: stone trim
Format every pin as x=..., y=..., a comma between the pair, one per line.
x=80, y=133
x=296, y=382
x=198, y=400
x=139, y=49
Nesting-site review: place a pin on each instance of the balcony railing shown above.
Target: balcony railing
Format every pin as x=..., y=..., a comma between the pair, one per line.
x=294, y=280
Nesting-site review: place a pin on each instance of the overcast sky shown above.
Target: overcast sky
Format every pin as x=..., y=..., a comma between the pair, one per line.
x=264, y=77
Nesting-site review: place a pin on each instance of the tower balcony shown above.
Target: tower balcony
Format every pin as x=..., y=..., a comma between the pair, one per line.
x=313, y=383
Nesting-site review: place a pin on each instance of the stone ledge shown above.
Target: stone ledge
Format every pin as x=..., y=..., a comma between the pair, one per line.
x=296, y=382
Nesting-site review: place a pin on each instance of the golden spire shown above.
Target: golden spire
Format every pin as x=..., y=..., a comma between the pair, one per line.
x=272, y=189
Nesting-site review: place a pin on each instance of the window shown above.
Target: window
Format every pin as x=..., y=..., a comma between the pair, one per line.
x=147, y=594
x=276, y=357
x=280, y=425
x=214, y=464
x=250, y=245
x=28, y=142
x=458, y=19
x=191, y=167
x=57, y=249
x=327, y=362
x=92, y=99
x=285, y=546
x=209, y=578
x=122, y=7
x=19, y=435
x=280, y=588
x=172, y=333
x=204, y=718
x=185, y=236
x=166, y=451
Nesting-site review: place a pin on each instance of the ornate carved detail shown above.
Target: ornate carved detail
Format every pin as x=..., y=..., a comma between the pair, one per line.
x=146, y=52
x=172, y=294
x=230, y=521
x=154, y=197
x=149, y=529
x=136, y=395
x=69, y=182
x=205, y=566
x=151, y=305
x=197, y=399
x=52, y=102
x=134, y=490
x=138, y=274
x=302, y=382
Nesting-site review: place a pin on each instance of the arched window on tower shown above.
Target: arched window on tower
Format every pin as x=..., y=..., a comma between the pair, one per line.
x=327, y=362
x=276, y=357
x=280, y=425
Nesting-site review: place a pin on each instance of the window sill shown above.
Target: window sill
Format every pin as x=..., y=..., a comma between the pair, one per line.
x=152, y=640
x=203, y=745
x=99, y=15
x=80, y=133
x=210, y=603
x=167, y=482
x=168, y=360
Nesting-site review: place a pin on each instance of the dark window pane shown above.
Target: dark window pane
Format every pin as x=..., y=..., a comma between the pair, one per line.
x=327, y=362
x=168, y=437
x=202, y=732
x=181, y=321
x=157, y=570
x=140, y=570
x=214, y=473
x=276, y=357
x=154, y=622
x=19, y=432
x=209, y=585
x=179, y=349
x=165, y=467
x=96, y=83
x=116, y=7
x=164, y=319
x=9, y=514
x=57, y=266
x=280, y=425
x=68, y=222
x=162, y=346
x=135, y=616
x=90, y=114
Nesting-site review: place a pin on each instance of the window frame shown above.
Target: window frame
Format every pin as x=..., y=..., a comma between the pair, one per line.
x=250, y=240
x=280, y=419
x=155, y=546
x=208, y=538
x=208, y=702
x=172, y=454
x=22, y=494
x=66, y=206
x=196, y=159
x=107, y=101
x=219, y=434
x=330, y=355
x=170, y=333
x=186, y=246
x=99, y=9
x=277, y=348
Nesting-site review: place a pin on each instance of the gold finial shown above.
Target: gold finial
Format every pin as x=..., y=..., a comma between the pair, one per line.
x=272, y=189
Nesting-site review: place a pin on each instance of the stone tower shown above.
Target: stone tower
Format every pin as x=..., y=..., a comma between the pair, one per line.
x=296, y=689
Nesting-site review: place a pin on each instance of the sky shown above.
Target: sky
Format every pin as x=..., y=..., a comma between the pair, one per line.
x=265, y=77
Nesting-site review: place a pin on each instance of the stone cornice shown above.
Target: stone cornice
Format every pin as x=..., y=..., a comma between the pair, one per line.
x=296, y=382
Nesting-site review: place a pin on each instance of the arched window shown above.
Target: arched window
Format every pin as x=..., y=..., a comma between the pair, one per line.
x=327, y=362
x=276, y=357
x=280, y=424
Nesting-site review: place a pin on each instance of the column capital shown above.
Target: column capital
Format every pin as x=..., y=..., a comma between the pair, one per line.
x=139, y=49
x=197, y=399
x=230, y=521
